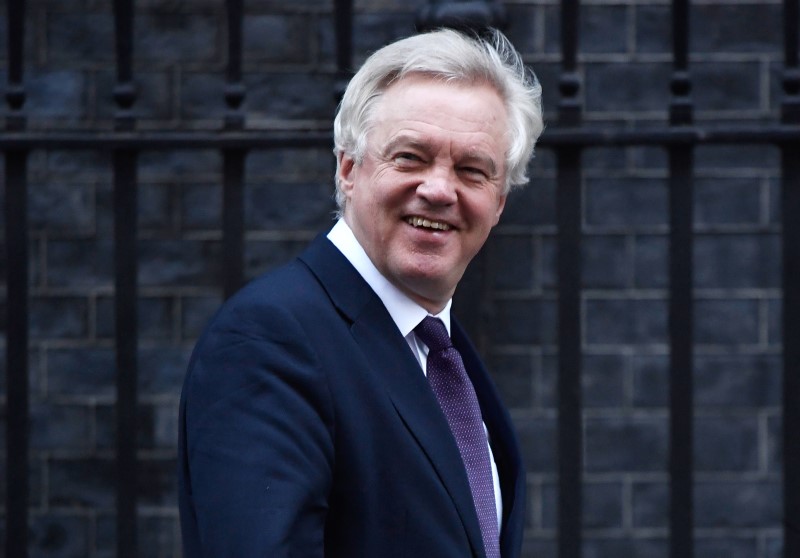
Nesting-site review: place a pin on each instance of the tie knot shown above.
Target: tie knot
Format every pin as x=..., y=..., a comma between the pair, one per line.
x=433, y=333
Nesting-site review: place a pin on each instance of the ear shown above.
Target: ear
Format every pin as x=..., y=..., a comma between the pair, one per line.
x=345, y=170
x=501, y=204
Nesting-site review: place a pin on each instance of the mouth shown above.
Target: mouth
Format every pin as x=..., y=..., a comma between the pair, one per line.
x=421, y=222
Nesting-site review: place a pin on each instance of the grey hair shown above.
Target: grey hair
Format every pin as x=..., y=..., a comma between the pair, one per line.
x=450, y=56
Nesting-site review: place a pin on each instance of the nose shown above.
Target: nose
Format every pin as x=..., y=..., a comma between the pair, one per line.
x=439, y=187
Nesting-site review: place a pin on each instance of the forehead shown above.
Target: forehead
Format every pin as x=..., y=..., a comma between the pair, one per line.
x=423, y=106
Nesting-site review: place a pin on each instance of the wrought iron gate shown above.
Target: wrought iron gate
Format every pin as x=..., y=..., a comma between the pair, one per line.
x=568, y=139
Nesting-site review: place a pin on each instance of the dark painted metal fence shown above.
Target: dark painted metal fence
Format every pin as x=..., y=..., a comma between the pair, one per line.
x=568, y=139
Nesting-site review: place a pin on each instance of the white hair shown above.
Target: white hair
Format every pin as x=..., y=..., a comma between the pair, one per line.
x=450, y=56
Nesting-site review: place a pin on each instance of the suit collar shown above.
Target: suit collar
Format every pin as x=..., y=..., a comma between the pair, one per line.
x=346, y=288
x=405, y=312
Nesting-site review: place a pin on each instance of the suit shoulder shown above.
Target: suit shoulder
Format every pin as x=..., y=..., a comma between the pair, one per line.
x=288, y=284
x=264, y=322
x=290, y=293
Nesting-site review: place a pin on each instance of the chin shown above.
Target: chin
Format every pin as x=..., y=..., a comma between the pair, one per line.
x=433, y=285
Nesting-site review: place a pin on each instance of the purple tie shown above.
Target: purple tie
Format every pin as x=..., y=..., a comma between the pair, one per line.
x=456, y=396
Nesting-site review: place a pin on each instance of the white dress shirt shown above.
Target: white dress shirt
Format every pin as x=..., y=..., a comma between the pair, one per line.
x=406, y=314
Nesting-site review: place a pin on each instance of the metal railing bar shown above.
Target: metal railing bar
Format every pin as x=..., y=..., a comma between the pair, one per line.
x=126, y=334
x=233, y=220
x=791, y=36
x=17, y=420
x=570, y=410
x=343, y=27
x=157, y=141
x=17, y=291
x=124, y=162
x=234, y=89
x=15, y=93
x=265, y=140
x=681, y=303
x=569, y=221
x=233, y=159
x=569, y=105
x=790, y=210
x=681, y=465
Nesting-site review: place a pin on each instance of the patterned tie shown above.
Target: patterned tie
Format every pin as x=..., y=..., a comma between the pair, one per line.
x=456, y=396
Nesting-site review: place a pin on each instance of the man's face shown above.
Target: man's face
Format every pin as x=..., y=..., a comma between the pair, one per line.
x=429, y=189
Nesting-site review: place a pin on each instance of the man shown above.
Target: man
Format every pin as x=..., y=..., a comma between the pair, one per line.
x=325, y=412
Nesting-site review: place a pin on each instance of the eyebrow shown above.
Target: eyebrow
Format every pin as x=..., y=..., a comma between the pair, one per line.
x=483, y=159
x=407, y=140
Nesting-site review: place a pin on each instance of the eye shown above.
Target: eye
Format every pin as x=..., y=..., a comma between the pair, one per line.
x=474, y=173
x=406, y=159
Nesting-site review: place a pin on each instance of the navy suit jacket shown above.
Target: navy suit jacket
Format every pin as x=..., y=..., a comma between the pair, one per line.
x=307, y=429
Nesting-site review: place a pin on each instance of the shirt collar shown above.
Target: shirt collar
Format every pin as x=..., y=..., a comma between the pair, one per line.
x=406, y=313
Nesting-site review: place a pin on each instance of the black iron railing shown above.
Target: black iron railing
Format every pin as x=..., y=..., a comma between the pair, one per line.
x=567, y=138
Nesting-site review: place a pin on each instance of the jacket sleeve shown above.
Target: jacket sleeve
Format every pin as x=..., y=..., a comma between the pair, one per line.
x=258, y=441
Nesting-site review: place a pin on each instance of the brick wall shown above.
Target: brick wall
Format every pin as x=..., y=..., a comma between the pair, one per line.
x=290, y=76
x=626, y=67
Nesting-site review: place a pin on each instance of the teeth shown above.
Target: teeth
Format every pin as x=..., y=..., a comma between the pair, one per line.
x=420, y=222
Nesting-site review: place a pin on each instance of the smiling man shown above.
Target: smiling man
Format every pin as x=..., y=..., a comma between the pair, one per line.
x=431, y=184
x=333, y=408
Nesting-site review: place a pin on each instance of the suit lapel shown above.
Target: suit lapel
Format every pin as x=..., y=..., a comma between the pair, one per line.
x=388, y=354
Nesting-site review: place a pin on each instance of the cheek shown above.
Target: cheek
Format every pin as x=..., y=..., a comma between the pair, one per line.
x=483, y=210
